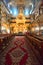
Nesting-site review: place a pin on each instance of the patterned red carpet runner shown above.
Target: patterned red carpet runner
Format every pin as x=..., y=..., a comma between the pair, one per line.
x=18, y=54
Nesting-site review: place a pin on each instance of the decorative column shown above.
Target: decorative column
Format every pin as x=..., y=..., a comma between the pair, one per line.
x=9, y=24
x=0, y=16
x=41, y=8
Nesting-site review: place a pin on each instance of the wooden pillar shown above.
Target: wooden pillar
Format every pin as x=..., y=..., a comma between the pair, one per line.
x=39, y=11
x=0, y=16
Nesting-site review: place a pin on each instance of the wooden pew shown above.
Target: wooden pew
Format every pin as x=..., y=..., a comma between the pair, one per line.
x=4, y=41
x=36, y=41
x=41, y=43
x=37, y=47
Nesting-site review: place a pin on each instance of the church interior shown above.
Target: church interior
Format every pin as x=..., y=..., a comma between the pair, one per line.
x=21, y=32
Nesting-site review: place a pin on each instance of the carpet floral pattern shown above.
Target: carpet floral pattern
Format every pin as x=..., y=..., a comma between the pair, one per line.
x=18, y=53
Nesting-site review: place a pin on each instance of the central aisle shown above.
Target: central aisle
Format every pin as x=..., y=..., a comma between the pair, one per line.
x=18, y=53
